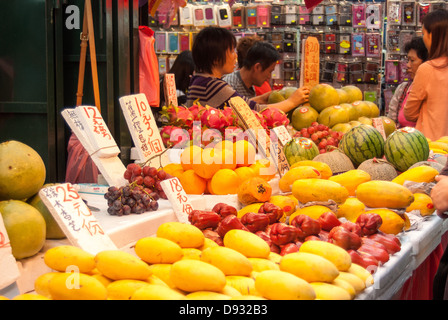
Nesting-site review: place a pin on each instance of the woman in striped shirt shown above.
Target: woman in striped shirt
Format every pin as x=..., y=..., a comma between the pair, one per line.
x=214, y=56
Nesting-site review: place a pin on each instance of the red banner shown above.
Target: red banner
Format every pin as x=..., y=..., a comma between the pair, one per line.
x=312, y=3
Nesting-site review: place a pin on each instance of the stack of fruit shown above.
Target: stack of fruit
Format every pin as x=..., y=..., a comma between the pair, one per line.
x=180, y=263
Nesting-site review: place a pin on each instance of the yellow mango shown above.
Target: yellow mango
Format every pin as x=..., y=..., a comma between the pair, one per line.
x=207, y=243
x=118, y=265
x=417, y=174
x=313, y=211
x=351, y=179
x=123, y=289
x=185, y=235
x=158, y=250
x=392, y=222
x=195, y=275
x=30, y=296
x=346, y=286
x=351, y=209
x=439, y=145
x=247, y=243
x=281, y=285
x=338, y=256
x=101, y=278
x=228, y=260
x=162, y=272
x=259, y=264
x=245, y=285
x=230, y=291
x=76, y=286
x=307, y=190
x=354, y=280
x=153, y=279
x=42, y=282
x=156, y=292
x=327, y=291
x=60, y=257
x=274, y=257
x=361, y=273
x=192, y=253
x=253, y=207
x=293, y=174
x=308, y=266
x=384, y=194
x=423, y=203
x=207, y=295
x=248, y=297
x=324, y=169
x=4, y=298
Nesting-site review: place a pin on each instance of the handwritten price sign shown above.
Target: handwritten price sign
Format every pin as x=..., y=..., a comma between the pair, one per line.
x=9, y=272
x=178, y=198
x=75, y=218
x=310, y=63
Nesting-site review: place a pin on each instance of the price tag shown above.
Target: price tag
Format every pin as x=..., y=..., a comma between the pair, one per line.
x=75, y=218
x=143, y=127
x=282, y=134
x=378, y=124
x=9, y=272
x=111, y=168
x=178, y=198
x=96, y=129
x=169, y=89
x=309, y=74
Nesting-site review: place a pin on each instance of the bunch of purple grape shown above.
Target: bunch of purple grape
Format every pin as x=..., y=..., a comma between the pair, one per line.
x=147, y=177
x=130, y=199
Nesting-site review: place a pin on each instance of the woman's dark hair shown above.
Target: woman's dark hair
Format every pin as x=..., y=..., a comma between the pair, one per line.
x=261, y=52
x=243, y=46
x=418, y=45
x=436, y=23
x=210, y=47
x=183, y=68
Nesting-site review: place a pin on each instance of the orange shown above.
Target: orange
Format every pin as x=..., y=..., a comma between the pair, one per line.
x=244, y=153
x=208, y=189
x=224, y=144
x=245, y=173
x=174, y=169
x=192, y=183
x=204, y=164
x=186, y=157
x=264, y=169
x=225, y=181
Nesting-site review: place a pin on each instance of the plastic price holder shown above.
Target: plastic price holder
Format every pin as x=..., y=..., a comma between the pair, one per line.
x=268, y=146
x=373, y=16
x=160, y=41
x=186, y=15
x=112, y=168
x=359, y=15
x=9, y=271
x=224, y=15
x=178, y=198
x=74, y=218
x=310, y=63
x=209, y=15
x=173, y=42
x=143, y=129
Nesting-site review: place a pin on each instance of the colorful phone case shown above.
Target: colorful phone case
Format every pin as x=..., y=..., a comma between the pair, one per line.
x=358, y=44
x=359, y=15
x=373, y=16
x=237, y=18
x=373, y=45
x=394, y=13
x=408, y=14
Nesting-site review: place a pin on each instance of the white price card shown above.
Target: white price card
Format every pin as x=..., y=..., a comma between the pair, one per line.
x=178, y=198
x=96, y=129
x=282, y=134
x=9, y=272
x=75, y=218
x=143, y=127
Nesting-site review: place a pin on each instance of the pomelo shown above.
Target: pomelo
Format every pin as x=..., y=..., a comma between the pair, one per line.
x=352, y=113
x=374, y=110
x=286, y=92
x=25, y=227
x=389, y=125
x=323, y=96
x=363, y=109
x=354, y=93
x=343, y=96
x=333, y=115
x=303, y=116
x=22, y=171
x=275, y=97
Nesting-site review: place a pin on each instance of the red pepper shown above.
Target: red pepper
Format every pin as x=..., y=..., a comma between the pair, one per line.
x=388, y=242
x=228, y=223
x=344, y=238
x=204, y=219
x=213, y=235
x=223, y=209
x=379, y=253
x=328, y=221
x=288, y=248
x=306, y=226
x=272, y=211
x=281, y=233
x=255, y=221
x=353, y=227
x=365, y=260
x=369, y=223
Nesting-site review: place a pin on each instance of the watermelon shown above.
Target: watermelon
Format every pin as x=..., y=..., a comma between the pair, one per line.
x=300, y=148
x=361, y=143
x=405, y=147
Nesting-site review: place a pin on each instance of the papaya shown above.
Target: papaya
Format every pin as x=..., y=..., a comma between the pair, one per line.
x=351, y=179
x=301, y=172
x=423, y=203
x=307, y=190
x=417, y=174
x=384, y=194
x=254, y=189
x=322, y=167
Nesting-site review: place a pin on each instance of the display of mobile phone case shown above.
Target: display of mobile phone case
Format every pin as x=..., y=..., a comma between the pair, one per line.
x=184, y=41
x=263, y=16
x=277, y=15
x=198, y=16
x=238, y=17
x=423, y=10
x=392, y=71
x=186, y=15
x=160, y=42
x=393, y=41
x=373, y=45
x=173, y=42
x=291, y=14
x=251, y=17
x=409, y=16
x=358, y=44
x=373, y=16
x=224, y=16
x=209, y=15
x=359, y=15
x=394, y=13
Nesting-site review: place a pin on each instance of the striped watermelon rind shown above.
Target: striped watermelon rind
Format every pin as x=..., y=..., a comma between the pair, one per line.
x=405, y=147
x=362, y=143
x=298, y=149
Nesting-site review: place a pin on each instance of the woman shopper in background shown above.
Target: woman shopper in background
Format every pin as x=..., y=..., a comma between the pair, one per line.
x=427, y=103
